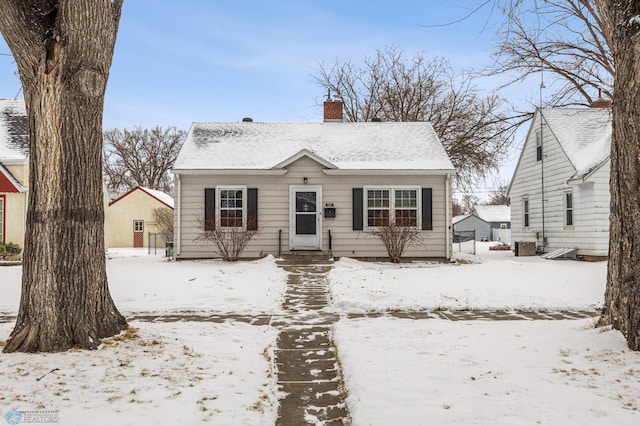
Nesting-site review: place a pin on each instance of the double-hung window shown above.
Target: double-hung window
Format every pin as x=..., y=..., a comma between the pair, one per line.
x=231, y=207
x=378, y=207
x=538, y=145
x=406, y=207
x=387, y=206
x=568, y=209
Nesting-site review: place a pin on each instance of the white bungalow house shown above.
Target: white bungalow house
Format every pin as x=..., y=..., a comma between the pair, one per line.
x=313, y=186
x=560, y=188
x=14, y=170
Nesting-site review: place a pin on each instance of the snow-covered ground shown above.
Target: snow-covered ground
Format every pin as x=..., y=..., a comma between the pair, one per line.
x=492, y=280
x=397, y=371
x=423, y=372
x=170, y=373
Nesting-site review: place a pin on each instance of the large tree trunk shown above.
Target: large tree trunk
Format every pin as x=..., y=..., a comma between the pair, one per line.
x=63, y=50
x=622, y=297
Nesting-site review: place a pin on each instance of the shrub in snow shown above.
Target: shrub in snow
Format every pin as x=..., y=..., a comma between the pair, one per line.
x=228, y=241
x=9, y=250
x=397, y=236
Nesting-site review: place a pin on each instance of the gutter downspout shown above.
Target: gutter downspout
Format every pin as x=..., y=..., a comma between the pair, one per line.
x=542, y=148
x=177, y=223
x=448, y=218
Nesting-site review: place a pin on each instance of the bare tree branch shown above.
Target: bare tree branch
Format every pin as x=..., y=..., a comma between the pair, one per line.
x=140, y=157
x=562, y=37
x=475, y=130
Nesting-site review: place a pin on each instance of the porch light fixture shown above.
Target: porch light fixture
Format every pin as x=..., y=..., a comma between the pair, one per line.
x=305, y=180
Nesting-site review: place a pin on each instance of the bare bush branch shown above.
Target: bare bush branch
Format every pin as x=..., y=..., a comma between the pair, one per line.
x=228, y=242
x=397, y=236
x=164, y=221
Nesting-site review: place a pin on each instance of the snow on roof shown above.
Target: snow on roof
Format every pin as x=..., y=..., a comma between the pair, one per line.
x=12, y=180
x=14, y=135
x=161, y=196
x=491, y=213
x=356, y=146
x=158, y=195
x=459, y=218
x=583, y=133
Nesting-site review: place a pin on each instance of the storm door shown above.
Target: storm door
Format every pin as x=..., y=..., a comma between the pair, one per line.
x=305, y=219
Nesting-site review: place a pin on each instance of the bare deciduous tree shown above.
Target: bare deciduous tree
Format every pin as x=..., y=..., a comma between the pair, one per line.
x=563, y=37
x=457, y=209
x=474, y=129
x=468, y=201
x=622, y=298
x=499, y=195
x=140, y=157
x=63, y=63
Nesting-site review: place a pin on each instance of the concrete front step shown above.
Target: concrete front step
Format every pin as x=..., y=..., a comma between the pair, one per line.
x=309, y=256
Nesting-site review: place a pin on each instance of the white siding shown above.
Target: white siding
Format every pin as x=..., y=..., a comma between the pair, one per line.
x=590, y=199
x=273, y=211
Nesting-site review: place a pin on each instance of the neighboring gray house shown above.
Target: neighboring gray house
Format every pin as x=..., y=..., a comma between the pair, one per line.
x=490, y=223
x=313, y=186
x=560, y=188
x=499, y=219
x=471, y=223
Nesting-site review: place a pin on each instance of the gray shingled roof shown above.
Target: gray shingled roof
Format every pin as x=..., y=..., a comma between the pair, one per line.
x=346, y=146
x=493, y=213
x=14, y=133
x=584, y=134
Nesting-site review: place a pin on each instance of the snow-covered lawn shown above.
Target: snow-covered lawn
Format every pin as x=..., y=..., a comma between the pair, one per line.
x=419, y=372
x=498, y=281
x=423, y=372
x=176, y=373
x=397, y=371
x=170, y=373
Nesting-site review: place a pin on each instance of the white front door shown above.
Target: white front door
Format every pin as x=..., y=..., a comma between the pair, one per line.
x=305, y=228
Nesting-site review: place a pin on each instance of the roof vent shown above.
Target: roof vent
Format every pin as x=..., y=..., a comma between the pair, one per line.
x=376, y=120
x=247, y=120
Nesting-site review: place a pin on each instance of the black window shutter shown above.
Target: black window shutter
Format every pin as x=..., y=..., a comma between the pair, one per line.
x=252, y=209
x=427, y=209
x=209, y=209
x=357, y=209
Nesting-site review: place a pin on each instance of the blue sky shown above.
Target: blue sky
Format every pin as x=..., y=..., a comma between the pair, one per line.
x=179, y=62
x=206, y=60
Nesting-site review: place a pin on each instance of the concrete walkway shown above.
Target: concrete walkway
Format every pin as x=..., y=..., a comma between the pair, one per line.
x=306, y=358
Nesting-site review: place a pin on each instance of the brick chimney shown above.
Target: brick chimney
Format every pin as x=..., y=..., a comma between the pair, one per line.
x=333, y=111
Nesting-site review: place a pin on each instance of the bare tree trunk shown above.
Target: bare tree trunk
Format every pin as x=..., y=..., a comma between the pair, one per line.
x=63, y=50
x=622, y=297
